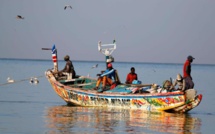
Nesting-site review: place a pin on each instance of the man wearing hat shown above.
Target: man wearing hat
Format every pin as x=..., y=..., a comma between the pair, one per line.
x=187, y=72
x=180, y=82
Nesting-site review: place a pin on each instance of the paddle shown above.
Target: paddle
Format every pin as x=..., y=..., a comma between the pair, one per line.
x=170, y=79
x=46, y=49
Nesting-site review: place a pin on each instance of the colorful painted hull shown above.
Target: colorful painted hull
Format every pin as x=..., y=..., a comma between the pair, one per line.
x=190, y=104
x=82, y=94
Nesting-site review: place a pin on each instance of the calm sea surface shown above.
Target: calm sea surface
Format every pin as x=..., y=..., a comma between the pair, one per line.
x=27, y=108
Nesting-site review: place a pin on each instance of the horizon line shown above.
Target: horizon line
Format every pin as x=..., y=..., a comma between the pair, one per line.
x=101, y=61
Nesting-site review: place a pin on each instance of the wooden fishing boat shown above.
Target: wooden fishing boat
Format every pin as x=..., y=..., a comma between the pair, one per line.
x=80, y=91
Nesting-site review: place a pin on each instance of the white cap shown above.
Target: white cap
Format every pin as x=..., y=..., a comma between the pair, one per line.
x=109, y=60
x=179, y=77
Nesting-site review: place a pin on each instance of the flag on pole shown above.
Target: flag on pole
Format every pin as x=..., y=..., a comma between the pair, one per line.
x=54, y=54
x=54, y=58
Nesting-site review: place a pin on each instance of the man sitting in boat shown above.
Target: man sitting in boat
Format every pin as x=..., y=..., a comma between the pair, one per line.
x=131, y=76
x=107, y=77
x=68, y=70
x=180, y=82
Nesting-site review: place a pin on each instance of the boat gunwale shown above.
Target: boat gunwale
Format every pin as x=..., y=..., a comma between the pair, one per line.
x=115, y=94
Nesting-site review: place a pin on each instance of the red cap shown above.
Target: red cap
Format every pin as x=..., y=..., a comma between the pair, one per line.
x=109, y=65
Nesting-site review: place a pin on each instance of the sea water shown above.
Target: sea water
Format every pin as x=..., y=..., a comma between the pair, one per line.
x=36, y=108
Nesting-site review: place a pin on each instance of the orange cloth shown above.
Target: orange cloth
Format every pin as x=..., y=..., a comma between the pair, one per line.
x=105, y=80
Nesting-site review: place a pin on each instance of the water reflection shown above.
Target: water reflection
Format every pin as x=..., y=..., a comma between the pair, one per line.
x=67, y=119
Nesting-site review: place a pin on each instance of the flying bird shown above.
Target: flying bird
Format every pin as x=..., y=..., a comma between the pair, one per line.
x=67, y=6
x=19, y=17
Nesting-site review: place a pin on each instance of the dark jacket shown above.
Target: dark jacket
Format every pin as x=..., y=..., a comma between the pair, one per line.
x=69, y=68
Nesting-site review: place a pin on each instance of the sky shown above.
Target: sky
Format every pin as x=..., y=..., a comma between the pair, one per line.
x=158, y=31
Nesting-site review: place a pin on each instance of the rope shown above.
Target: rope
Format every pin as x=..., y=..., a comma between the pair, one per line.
x=16, y=81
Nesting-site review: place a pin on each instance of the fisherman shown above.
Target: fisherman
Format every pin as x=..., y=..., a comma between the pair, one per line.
x=187, y=72
x=131, y=76
x=180, y=82
x=68, y=69
x=108, y=77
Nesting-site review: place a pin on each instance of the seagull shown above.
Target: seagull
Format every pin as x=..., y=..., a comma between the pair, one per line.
x=95, y=66
x=36, y=80
x=31, y=80
x=9, y=80
x=19, y=17
x=67, y=6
